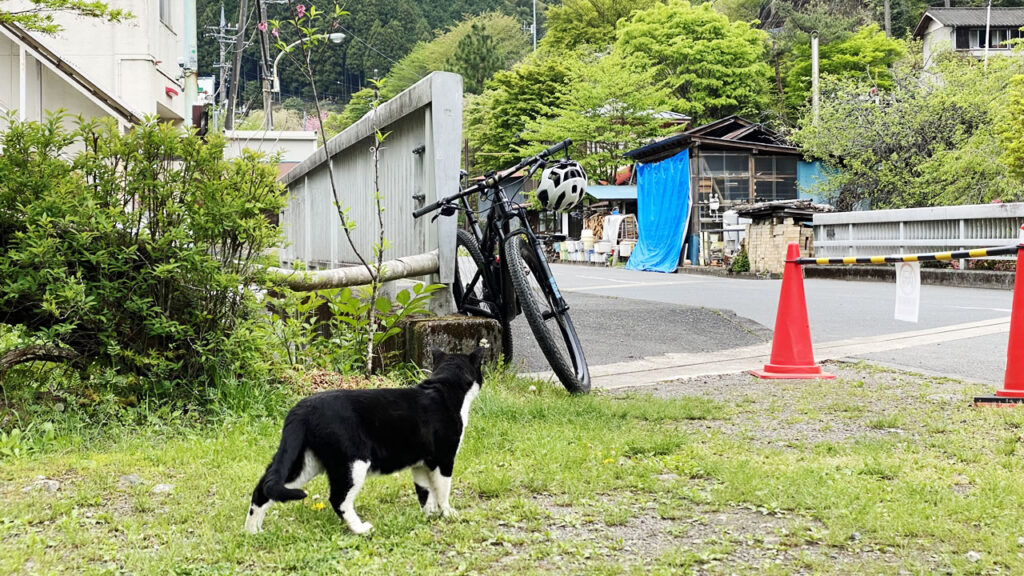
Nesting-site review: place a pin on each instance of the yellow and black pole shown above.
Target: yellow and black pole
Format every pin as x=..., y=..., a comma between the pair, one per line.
x=941, y=256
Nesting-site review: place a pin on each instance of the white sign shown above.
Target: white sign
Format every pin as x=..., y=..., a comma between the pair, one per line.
x=908, y=290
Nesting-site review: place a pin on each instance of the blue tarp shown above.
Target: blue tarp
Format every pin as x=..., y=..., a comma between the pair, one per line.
x=663, y=204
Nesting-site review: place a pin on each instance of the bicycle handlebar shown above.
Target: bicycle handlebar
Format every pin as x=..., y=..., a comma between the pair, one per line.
x=493, y=180
x=563, y=145
x=426, y=209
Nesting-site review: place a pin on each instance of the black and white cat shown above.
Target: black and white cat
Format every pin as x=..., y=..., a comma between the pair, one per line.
x=352, y=433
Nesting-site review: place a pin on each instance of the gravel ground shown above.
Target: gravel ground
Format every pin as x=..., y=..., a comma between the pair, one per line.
x=629, y=531
x=859, y=403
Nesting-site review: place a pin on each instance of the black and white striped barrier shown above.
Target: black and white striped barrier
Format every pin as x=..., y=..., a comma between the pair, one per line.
x=976, y=253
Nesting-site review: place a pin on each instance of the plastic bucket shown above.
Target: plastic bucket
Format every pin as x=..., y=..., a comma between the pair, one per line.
x=626, y=248
x=587, y=236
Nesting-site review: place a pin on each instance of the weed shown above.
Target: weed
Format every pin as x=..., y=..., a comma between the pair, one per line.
x=885, y=422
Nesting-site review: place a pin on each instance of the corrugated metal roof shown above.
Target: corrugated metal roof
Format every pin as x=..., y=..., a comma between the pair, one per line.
x=954, y=17
x=731, y=132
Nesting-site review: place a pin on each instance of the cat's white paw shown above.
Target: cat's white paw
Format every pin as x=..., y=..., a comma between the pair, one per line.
x=448, y=512
x=251, y=527
x=254, y=521
x=361, y=527
x=430, y=508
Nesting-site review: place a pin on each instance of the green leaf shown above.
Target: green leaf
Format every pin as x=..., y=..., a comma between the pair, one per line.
x=403, y=297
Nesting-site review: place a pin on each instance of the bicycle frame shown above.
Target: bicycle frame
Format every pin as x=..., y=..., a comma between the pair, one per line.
x=505, y=275
x=491, y=239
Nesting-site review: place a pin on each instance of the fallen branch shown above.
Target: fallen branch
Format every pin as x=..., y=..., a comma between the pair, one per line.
x=43, y=352
x=308, y=280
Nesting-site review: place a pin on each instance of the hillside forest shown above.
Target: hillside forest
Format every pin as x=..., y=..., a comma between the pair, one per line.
x=601, y=67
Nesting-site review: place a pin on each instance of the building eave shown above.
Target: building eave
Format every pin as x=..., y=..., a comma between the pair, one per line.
x=70, y=73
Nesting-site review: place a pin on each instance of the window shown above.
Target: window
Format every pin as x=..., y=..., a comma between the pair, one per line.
x=725, y=173
x=974, y=38
x=774, y=178
x=165, y=13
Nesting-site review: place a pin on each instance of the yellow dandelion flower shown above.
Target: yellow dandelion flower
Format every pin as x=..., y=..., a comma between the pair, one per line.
x=319, y=506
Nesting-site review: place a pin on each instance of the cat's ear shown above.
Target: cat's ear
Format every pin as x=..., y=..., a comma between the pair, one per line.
x=477, y=357
x=437, y=356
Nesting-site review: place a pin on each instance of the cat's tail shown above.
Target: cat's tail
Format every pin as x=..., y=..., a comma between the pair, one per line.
x=292, y=448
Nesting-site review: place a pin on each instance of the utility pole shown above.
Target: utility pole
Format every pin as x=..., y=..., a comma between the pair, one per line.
x=534, y=27
x=268, y=93
x=236, y=67
x=814, y=76
x=191, y=59
x=988, y=37
x=888, y=19
x=225, y=36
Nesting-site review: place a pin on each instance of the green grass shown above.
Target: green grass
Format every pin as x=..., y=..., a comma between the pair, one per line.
x=547, y=483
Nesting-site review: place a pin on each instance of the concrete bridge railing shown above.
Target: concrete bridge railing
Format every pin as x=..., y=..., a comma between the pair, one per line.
x=916, y=230
x=419, y=162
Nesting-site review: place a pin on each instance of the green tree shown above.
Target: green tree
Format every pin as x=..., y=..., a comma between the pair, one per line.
x=38, y=15
x=923, y=142
x=1011, y=127
x=475, y=58
x=866, y=54
x=509, y=47
x=382, y=32
x=131, y=250
x=577, y=23
x=713, y=66
x=532, y=90
x=903, y=14
x=609, y=107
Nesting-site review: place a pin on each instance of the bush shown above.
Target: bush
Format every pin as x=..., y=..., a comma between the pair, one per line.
x=740, y=262
x=134, y=252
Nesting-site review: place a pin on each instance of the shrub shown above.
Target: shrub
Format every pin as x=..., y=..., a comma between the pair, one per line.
x=740, y=262
x=135, y=251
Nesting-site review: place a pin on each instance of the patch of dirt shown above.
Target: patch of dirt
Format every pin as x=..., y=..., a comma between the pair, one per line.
x=705, y=540
x=873, y=403
x=318, y=380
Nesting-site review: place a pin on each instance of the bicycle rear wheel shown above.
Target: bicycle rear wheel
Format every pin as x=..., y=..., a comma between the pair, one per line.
x=472, y=296
x=547, y=314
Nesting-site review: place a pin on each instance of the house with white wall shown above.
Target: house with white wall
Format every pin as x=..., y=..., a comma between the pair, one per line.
x=136, y=65
x=34, y=81
x=962, y=30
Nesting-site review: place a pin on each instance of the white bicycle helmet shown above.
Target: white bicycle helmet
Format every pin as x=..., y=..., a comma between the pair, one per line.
x=562, y=186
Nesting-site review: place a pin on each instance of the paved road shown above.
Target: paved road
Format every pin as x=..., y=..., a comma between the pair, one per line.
x=624, y=316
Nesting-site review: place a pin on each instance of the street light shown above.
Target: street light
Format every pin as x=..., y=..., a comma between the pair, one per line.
x=275, y=86
x=334, y=37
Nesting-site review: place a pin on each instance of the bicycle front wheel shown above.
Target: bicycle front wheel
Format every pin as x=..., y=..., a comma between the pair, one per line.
x=472, y=295
x=547, y=314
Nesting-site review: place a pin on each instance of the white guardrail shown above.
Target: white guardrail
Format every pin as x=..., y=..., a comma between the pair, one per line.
x=419, y=163
x=916, y=230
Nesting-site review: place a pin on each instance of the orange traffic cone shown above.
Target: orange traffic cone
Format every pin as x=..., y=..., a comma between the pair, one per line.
x=792, y=356
x=1013, y=382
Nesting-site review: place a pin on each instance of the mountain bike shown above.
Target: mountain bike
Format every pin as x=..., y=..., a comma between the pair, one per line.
x=501, y=271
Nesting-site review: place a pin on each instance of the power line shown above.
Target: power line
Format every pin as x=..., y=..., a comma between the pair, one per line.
x=367, y=44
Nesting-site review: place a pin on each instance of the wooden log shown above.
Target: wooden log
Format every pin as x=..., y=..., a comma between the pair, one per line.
x=33, y=353
x=308, y=280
